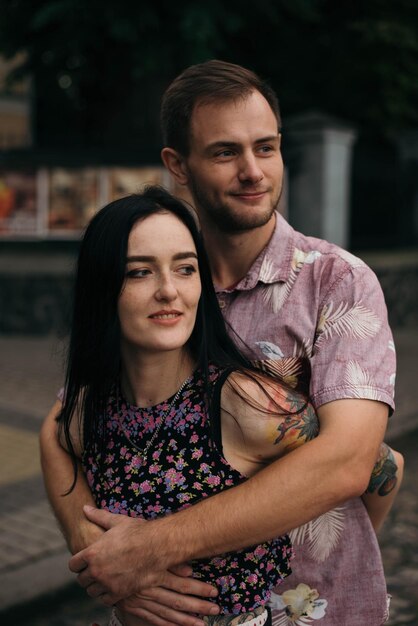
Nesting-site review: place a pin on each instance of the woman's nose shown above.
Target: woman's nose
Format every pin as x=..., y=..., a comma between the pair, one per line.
x=166, y=289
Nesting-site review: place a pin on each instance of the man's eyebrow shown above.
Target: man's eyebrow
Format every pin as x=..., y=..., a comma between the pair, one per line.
x=268, y=138
x=221, y=144
x=235, y=144
x=152, y=259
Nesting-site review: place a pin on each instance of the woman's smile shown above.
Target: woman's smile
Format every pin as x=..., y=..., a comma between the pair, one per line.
x=167, y=318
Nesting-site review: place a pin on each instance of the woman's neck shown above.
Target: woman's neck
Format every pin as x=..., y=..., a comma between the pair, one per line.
x=148, y=380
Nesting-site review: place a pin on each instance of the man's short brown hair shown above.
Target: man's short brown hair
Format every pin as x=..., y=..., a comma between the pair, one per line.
x=209, y=82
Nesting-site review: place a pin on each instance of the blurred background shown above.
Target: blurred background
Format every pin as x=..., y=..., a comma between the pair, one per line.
x=80, y=87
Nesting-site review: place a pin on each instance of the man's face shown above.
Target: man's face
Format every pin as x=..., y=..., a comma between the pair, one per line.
x=234, y=168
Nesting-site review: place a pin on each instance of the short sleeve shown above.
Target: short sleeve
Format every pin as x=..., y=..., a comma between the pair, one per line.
x=353, y=354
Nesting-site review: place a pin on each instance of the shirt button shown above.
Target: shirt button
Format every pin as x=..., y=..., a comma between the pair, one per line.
x=222, y=304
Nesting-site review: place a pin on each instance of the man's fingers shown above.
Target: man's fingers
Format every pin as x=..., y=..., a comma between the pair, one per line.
x=77, y=563
x=157, y=614
x=150, y=619
x=101, y=517
x=107, y=599
x=184, y=569
x=84, y=579
x=95, y=591
x=189, y=586
x=161, y=597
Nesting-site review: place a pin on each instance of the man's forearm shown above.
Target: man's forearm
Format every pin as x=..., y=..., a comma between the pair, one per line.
x=135, y=554
x=268, y=505
x=291, y=491
x=58, y=477
x=384, y=485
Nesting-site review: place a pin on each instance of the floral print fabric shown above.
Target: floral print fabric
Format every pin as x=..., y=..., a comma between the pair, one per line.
x=182, y=467
x=315, y=316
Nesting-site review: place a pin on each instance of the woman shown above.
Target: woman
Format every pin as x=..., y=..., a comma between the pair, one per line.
x=146, y=408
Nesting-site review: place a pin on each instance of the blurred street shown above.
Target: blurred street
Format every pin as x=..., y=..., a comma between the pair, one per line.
x=36, y=589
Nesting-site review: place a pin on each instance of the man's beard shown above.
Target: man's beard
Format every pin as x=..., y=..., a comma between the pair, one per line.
x=222, y=216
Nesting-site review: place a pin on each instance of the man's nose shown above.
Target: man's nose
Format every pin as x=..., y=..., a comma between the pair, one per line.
x=249, y=169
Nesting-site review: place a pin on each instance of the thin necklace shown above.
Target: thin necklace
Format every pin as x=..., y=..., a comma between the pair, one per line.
x=144, y=451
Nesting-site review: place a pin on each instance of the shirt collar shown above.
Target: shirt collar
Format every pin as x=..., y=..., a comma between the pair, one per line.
x=274, y=263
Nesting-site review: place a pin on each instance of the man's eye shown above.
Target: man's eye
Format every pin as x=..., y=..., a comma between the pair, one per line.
x=266, y=149
x=224, y=154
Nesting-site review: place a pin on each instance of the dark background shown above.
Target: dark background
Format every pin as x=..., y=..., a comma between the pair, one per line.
x=98, y=70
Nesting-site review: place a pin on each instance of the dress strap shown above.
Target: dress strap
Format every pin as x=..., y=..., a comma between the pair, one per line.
x=215, y=407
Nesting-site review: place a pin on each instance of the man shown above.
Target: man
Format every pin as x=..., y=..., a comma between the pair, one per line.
x=302, y=307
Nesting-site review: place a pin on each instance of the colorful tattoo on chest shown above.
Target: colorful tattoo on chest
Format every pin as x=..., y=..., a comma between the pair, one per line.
x=383, y=478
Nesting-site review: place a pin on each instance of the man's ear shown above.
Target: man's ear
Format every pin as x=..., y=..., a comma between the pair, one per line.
x=176, y=165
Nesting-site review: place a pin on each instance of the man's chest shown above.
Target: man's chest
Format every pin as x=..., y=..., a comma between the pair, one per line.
x=276, y=332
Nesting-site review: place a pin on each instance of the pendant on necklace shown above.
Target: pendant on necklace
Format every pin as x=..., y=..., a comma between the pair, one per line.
x=139, y=460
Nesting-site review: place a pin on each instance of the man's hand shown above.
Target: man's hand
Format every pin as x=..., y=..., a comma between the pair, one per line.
x=128, y=562
x=173, y=605
x=108, y=568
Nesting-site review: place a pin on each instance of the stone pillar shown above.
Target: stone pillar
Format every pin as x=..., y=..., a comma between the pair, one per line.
x=317, y=151
x=407, y=142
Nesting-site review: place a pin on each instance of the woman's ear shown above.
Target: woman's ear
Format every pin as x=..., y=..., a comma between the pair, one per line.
x=176, y=165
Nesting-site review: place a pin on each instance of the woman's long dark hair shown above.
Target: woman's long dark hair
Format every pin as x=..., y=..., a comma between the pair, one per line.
x=94, y=358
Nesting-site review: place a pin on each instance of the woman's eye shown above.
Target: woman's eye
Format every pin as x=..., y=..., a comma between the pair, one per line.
x=187, y=270
x=137, y=273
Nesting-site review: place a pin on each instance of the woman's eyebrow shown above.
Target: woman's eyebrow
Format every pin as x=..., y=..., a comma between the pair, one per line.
x=153, y=259
x=185, y=255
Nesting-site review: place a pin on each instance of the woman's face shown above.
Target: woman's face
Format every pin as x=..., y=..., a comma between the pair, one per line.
x=158, y=302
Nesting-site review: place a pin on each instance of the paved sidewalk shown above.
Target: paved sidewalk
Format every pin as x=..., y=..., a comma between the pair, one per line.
x=33, y=555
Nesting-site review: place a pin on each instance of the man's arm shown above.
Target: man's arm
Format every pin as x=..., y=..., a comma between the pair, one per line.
x=384, y=485
x=308, y=482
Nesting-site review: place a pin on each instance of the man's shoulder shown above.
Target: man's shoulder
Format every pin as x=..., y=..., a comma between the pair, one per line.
x=327, y=251
x=329, y=264
x=303, y=261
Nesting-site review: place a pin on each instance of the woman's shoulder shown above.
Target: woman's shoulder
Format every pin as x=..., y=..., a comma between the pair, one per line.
x=262, y=419
x=260, y=391
x=75, y=427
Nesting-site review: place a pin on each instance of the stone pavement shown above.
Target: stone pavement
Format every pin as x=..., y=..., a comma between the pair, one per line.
x=33, y=555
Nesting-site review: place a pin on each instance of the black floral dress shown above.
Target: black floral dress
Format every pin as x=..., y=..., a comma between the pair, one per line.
x=182, y=466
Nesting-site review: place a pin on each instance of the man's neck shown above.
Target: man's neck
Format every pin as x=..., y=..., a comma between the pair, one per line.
x=232, y=255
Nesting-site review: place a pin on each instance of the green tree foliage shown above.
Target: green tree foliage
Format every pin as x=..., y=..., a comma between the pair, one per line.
x=99, y=68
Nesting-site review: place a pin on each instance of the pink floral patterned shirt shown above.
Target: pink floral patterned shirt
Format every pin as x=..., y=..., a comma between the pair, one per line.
x=315, y=315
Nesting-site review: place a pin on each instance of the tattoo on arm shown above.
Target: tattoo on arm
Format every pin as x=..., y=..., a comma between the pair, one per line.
x=383, y=478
